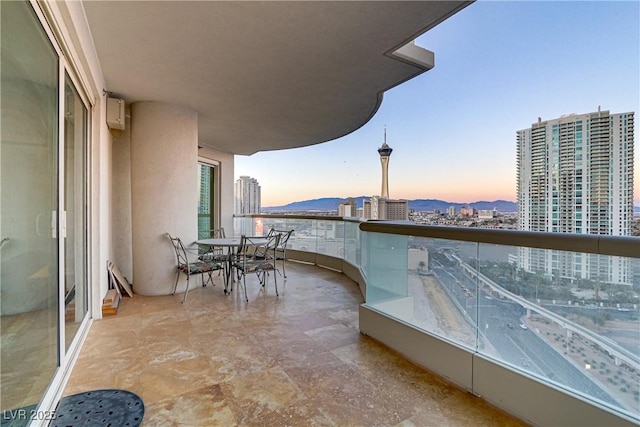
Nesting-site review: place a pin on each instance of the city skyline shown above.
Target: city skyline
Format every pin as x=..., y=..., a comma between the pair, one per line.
x=453, y=129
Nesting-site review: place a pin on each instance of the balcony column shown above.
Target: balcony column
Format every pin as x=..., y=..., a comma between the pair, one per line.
x=164, y=190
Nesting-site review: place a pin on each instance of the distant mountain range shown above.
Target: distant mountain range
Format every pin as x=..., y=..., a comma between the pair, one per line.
x=331, y=203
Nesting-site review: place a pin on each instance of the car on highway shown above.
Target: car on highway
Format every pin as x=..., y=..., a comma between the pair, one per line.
x=523, y=326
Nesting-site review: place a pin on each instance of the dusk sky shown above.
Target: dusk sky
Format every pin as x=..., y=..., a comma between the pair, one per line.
x=499, y=66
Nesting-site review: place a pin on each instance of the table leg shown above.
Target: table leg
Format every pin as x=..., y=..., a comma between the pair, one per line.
x=228, y=273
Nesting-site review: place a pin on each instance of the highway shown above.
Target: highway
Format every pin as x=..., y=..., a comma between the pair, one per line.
x=499, y=322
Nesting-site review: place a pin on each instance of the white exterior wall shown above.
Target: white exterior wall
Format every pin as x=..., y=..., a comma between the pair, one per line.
x=164, y=190
x=121, y=199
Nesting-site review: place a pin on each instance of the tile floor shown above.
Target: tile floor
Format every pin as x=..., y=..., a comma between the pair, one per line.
x=27, y=340
x=293, y=360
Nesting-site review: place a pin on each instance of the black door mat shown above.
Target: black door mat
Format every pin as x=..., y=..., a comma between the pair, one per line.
x=104, y=408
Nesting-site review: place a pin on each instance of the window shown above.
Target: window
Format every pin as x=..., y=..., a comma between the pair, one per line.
x=208, y=203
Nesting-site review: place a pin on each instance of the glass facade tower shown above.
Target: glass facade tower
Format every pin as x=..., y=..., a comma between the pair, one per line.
x=575, y=175
x=248, y=197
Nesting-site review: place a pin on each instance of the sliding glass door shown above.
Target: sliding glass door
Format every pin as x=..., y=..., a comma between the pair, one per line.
x=43, y=213
x=28, y=204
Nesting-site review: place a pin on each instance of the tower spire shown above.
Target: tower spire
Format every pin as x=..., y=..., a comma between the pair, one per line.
x=385, y=153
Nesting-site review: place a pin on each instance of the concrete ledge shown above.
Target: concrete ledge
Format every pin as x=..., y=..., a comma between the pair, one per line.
x=536, y=402
x=525, y=397
x=451, y=362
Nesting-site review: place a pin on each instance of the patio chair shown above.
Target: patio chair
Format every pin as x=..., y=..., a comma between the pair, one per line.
x=212, y=253
x=281, y=249
x=256, y=254
x=188, y=267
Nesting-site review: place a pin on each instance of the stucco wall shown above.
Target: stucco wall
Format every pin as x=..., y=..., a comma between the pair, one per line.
x=121, y=200
x=164, y=190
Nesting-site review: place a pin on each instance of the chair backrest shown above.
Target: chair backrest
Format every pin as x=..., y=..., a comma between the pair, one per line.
x=269, y=247
x=258, y=247
x=180, y=251
x=284, y=237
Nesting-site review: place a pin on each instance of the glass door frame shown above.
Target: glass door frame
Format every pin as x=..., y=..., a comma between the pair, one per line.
x=66, y=70
x=66, y=358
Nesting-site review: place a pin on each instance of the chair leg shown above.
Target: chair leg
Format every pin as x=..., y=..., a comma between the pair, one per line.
x=244, y=281
x=209, y=279
x=275, y=282
x=175, y=285
x=262, y=279
x=284, y=267
x=186, y=291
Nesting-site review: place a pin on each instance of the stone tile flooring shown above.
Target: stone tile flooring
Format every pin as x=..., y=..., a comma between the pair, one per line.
x=293, y=360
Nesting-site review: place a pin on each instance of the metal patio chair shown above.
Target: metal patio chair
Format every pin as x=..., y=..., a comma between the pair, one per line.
x=281, y=249
x=190, y=267
x=256, y=254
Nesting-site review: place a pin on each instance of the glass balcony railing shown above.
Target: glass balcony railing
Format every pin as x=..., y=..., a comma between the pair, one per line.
x=562, y=309
x=332, y=236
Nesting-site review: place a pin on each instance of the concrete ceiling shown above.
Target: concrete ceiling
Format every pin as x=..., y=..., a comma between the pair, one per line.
x=263, y=75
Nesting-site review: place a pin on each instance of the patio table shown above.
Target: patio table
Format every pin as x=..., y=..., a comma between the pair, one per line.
x=231, y=244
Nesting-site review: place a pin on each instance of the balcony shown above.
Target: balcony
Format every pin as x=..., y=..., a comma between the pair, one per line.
x=133, y=186
x=444, y=298
x=320, y=354
x=296, y=359
x=460, y=303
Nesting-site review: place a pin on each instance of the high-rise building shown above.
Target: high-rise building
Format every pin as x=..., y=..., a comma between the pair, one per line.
x=347, y=208
x=248, y=197
x=205, y=205
x=575, y=175
x=466, y=211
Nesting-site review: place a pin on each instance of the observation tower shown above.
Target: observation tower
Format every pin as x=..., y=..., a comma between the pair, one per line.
x=385, y=153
